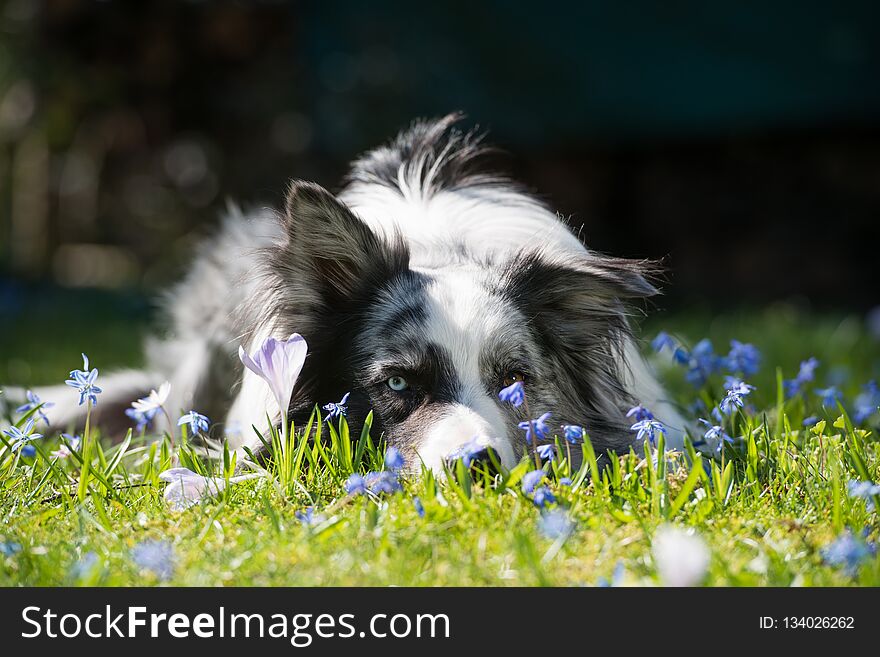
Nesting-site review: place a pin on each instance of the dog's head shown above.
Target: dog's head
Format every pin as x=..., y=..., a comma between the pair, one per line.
x=428, y=349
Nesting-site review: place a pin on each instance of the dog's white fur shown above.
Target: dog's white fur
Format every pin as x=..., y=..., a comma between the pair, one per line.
x=491, y=223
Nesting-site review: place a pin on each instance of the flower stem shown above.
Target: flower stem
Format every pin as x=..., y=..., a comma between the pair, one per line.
x=532, y=433
x=83, y=487
x=170, y=428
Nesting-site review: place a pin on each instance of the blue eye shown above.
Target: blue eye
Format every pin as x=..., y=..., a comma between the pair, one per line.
x=397, y=383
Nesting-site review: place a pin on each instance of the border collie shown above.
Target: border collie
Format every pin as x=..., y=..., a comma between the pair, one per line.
x=423, y=288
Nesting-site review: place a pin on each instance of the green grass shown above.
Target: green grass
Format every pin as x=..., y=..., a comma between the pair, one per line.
x=765, y=512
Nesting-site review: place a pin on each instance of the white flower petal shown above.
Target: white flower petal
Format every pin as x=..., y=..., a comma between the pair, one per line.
x=681, y=557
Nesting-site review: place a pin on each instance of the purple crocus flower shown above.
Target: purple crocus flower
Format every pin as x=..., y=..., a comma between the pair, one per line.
x=187, y=488
x=278, y=363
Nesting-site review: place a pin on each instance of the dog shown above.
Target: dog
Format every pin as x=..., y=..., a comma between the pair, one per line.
x=426, y=286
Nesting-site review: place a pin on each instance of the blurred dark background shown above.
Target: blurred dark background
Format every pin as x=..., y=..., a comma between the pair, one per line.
x=739, y=140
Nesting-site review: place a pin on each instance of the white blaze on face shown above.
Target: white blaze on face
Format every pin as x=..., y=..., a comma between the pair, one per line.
x=461, y=317
x=459, y=425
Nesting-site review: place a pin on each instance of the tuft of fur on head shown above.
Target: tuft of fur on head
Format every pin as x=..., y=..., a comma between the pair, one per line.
x=429, y=157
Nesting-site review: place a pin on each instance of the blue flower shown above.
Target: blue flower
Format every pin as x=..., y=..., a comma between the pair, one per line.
x=792, y=387
x=807, y=370
x=617, y=577
x=307, y=516
x=355, y=485
x=514, y=394
x=806, y=373
x=142, y=419
x=546, y=452
x=743, y=358
x=864, y=490
x=419, y=507
x=867, y=402
x=196, y=421
x=555, y=524
x=681, y=356
x=663, y=341
x=532, y=479
x=84, y=382
x=541, y=428
x=85, y=566
x=21, y=437
x=65, y=449
x=649, y=429
x=382, y=482
x=573, y=433
x=393, y=459
x=697, y=407
x=469, y=452
x=715, y=432
x=735, y=393
x=703, y=362
x=334, y=410
x=829, y=395
x=810, y=421
x=738, y=386
x=640, y=413
x=155, y=556
x=8, y=548
x=565, y=481
x=34, y=402
x=543, y=496
x=847, y=552
x=731, y=402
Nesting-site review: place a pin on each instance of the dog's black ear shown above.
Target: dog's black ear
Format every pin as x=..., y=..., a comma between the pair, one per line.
x=618, y=278
x=593, y=283
x=337, y=252
x=578, y=307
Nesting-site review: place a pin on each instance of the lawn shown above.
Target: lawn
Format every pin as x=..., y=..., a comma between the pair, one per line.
x=776, y=506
